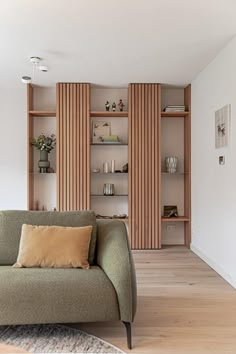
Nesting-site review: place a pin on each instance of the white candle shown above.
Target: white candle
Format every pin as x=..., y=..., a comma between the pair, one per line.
x=112, y=166
x=106, y=167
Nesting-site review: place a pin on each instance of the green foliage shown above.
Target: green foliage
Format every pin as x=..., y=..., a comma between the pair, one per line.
x=44, y=143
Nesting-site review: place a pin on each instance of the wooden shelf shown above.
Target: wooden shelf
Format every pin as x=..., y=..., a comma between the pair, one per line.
x=105, y=196
x=39, y=173
x=175, y=219
x=122, y=219
x=109, y=144
x=109, y=173
x=174, y=114
x=108, y=114
x=42, y=113
x=175, y=173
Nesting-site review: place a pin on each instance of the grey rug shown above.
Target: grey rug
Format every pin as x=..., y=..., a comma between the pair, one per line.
x=54, y=339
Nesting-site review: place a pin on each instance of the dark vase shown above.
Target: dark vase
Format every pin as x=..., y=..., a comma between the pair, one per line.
x=43, y=163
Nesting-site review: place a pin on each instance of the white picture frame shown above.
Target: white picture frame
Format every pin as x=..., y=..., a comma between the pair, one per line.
x=100, y=129
x=222, y=126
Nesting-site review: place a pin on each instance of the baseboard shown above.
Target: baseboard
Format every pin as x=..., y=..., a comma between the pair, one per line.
x=214, y=265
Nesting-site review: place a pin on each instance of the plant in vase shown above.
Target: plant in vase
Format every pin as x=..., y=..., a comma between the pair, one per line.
x=45, y=144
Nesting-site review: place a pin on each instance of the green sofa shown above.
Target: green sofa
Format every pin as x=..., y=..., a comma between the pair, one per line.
x=105, y=292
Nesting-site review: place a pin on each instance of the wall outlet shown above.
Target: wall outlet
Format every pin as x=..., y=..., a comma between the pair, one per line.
x=221, y=160
x=170, y=227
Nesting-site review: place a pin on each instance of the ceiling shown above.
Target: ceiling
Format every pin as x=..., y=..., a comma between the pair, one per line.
x=112, y=42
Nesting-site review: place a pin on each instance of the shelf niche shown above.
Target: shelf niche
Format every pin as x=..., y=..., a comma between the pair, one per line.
x=105, y=152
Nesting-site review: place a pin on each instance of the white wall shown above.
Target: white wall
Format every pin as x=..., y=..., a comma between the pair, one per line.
x=13, y=159
x=214, y=186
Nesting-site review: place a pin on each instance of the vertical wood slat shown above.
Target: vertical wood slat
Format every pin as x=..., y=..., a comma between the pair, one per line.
x=159, y=212
x=187, y=166
x=73, y=146
x=30, y=176
x=144, y=165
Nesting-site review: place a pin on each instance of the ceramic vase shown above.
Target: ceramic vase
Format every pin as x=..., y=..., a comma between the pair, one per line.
x=171, y=164
x=43, y=163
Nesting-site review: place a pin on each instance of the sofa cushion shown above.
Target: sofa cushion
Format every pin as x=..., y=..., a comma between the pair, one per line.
x=54, y=247
x=11, y=223
x=39, y=295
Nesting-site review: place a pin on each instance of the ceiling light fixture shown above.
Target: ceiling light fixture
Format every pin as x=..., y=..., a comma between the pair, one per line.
x=35, y=61
x=26, y=79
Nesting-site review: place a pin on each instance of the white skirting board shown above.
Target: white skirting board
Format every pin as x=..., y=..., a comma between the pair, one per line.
x=214, y=265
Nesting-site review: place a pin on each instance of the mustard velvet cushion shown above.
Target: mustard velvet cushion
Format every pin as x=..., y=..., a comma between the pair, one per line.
x=54, y=247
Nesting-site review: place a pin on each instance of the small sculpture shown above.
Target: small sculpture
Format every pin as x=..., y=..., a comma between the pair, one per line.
x=125, y=168
x=113, y=106
x=107, y=105
x=121, y=105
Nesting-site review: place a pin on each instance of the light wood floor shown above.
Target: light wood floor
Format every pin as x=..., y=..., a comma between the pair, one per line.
x=184, y=307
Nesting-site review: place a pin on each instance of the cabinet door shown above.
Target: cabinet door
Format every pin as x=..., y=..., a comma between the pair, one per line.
x=144, y=166
x=73, y=146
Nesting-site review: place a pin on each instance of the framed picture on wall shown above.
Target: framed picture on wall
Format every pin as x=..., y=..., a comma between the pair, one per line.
x=100, y=129
x=222, y=126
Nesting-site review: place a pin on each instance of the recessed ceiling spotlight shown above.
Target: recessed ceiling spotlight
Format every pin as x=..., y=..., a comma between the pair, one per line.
x=26, y=79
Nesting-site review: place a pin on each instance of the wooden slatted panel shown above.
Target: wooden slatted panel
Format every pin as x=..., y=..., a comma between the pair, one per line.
x=187, y=165
x=144, y=166
x=73, y=146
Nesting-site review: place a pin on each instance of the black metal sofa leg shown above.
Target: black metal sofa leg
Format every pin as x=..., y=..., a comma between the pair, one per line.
x=129, y=334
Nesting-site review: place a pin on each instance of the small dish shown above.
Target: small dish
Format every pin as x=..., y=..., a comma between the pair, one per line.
x=96, y=170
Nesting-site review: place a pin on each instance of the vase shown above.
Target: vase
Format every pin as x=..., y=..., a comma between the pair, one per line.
x=108, y=189
x=43, y=163
x=171, y=164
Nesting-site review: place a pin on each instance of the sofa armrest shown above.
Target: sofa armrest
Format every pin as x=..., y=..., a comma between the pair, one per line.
x=115, y=258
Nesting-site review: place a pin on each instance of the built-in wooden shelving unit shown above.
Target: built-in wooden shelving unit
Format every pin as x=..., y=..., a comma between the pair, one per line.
x=142, y=190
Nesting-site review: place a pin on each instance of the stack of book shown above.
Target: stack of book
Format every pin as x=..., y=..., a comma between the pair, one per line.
x=177, y=108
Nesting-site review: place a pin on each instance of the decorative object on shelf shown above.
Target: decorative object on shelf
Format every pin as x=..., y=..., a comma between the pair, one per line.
x=121, y=105
x=112, y=166
x=100, y=129
x=51, y=170
x=96, y=170
x=113, y=106
x=125, y=168
x=36, y=205
x=107, y=106
x=171, y=164
x=43, y=163
x=118, y=171
x=222, y=126
x=45, y=144
x=120, y=216
x=108, y=189
x=110, y=139
x=106, y=167
x=170, y=211
x=177, y=108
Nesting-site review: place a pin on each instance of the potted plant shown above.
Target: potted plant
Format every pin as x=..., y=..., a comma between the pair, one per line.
x=45, y=144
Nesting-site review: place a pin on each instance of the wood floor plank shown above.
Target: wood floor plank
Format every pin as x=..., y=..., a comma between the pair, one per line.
x=184, y=307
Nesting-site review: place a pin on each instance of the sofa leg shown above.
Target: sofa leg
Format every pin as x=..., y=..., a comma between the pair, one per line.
x=129, y=335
